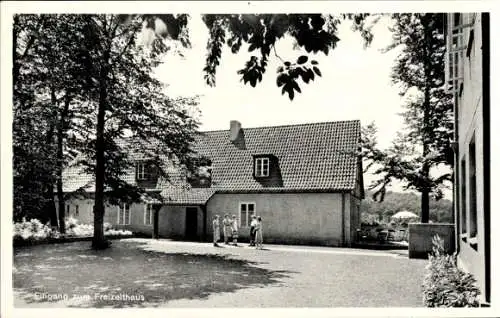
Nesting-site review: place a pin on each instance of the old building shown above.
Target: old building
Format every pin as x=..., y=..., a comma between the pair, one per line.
x=305, y=181
x=468, y=77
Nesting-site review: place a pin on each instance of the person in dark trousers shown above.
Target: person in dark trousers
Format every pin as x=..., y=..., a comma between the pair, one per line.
x=253, y=223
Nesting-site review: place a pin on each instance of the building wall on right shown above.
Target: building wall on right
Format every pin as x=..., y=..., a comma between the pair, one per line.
x=465, y=40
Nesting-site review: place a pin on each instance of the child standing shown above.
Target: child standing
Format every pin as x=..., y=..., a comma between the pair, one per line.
x=258, y=233
x=216, y=230
x=235, y=231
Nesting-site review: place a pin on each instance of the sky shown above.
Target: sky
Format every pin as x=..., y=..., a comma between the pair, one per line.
x=355, y=84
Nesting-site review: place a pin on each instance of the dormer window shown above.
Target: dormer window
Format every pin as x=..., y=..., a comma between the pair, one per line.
x=262, y=167
x=145, y=171
x=142, y=173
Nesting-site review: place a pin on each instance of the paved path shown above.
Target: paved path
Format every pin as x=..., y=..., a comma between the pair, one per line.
x=315, y=277
x=308, y=277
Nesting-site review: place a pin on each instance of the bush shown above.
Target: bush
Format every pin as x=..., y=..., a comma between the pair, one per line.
x=32, y=230
x=445, y=285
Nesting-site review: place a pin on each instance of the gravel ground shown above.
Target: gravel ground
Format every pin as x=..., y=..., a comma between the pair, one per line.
x=182, y=274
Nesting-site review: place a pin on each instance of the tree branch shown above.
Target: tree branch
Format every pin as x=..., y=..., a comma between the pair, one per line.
x=276, y=54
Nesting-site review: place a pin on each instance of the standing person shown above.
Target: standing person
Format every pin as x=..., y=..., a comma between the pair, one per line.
x=235, y=231
x=216, y=229
x=252, y=230
x=258, y=233
x=227, y=228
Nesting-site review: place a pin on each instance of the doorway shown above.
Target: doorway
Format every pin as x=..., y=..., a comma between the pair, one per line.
x=191, y=223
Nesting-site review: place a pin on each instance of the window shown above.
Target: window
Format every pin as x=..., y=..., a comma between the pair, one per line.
x=124, y=214
x=148, y=214
x=77, y=210
x=142, y=171
x=262, y=167
x=67, y=210
x=463, y=201
x=246, y=211
x=472, y=190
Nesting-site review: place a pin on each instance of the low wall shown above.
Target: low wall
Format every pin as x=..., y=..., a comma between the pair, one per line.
x=421, y=234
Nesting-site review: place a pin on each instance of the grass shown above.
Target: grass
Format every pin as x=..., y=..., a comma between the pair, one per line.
x=148, y=278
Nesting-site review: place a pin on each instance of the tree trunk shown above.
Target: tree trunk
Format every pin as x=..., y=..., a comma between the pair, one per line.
x=425, y=206
x=99, y=241
x=60, y=164
x=425, y=124
x=156, y=211
x=50, y=207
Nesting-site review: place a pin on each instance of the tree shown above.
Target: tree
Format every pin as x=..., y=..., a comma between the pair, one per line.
x=425, y=143
x=33, y=127
x=128, y=102
x=47, y=83
x=312, y=33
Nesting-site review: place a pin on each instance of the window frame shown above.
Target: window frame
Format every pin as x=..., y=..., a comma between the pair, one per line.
x=246, y=203
x=141, y=173
x=148, y=207
x=463, y=199
x=472, y=178
x=126, y=207
x=260, y=162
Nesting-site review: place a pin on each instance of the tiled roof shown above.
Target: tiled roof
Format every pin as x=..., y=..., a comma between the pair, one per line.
x=318, y=156
x=194, y=196
x=311, y=157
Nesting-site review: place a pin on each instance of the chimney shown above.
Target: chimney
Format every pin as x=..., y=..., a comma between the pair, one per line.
x=234, y=130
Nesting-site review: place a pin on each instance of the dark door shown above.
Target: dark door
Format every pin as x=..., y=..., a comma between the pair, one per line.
x=192, y=223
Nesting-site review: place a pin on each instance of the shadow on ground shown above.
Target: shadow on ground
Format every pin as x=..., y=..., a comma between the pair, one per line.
x=128, y=275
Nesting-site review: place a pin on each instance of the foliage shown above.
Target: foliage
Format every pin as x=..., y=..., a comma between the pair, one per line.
x=33, y=163
x=78, y=229
x=445, y=285
x=34, y=230
x=425, y=143
x=129, y=116
x=375, y=211
x=311, y=33
x=86, y=96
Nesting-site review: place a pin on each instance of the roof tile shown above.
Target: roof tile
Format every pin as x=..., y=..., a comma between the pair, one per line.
x=312, y=157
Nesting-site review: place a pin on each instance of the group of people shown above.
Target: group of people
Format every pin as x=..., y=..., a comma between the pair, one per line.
x=230, y=230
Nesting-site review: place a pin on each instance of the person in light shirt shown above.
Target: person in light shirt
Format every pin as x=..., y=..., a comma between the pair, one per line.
x=253, y=223
x=227, y=228
x=216, y=230
x=258, y=233
x=235, y=231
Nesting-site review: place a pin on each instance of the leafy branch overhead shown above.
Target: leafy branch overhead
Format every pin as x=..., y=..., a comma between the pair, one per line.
x=313, y=33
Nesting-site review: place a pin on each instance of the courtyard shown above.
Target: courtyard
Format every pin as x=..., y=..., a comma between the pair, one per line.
x=163, y=273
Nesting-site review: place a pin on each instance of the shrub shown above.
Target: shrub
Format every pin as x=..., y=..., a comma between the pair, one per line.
x=32, y=230
x=445, y=285
x=107, y=226
x=71, y=223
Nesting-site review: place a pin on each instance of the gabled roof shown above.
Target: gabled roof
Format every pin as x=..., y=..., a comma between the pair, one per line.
x=314, y=157
x=317, y=156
